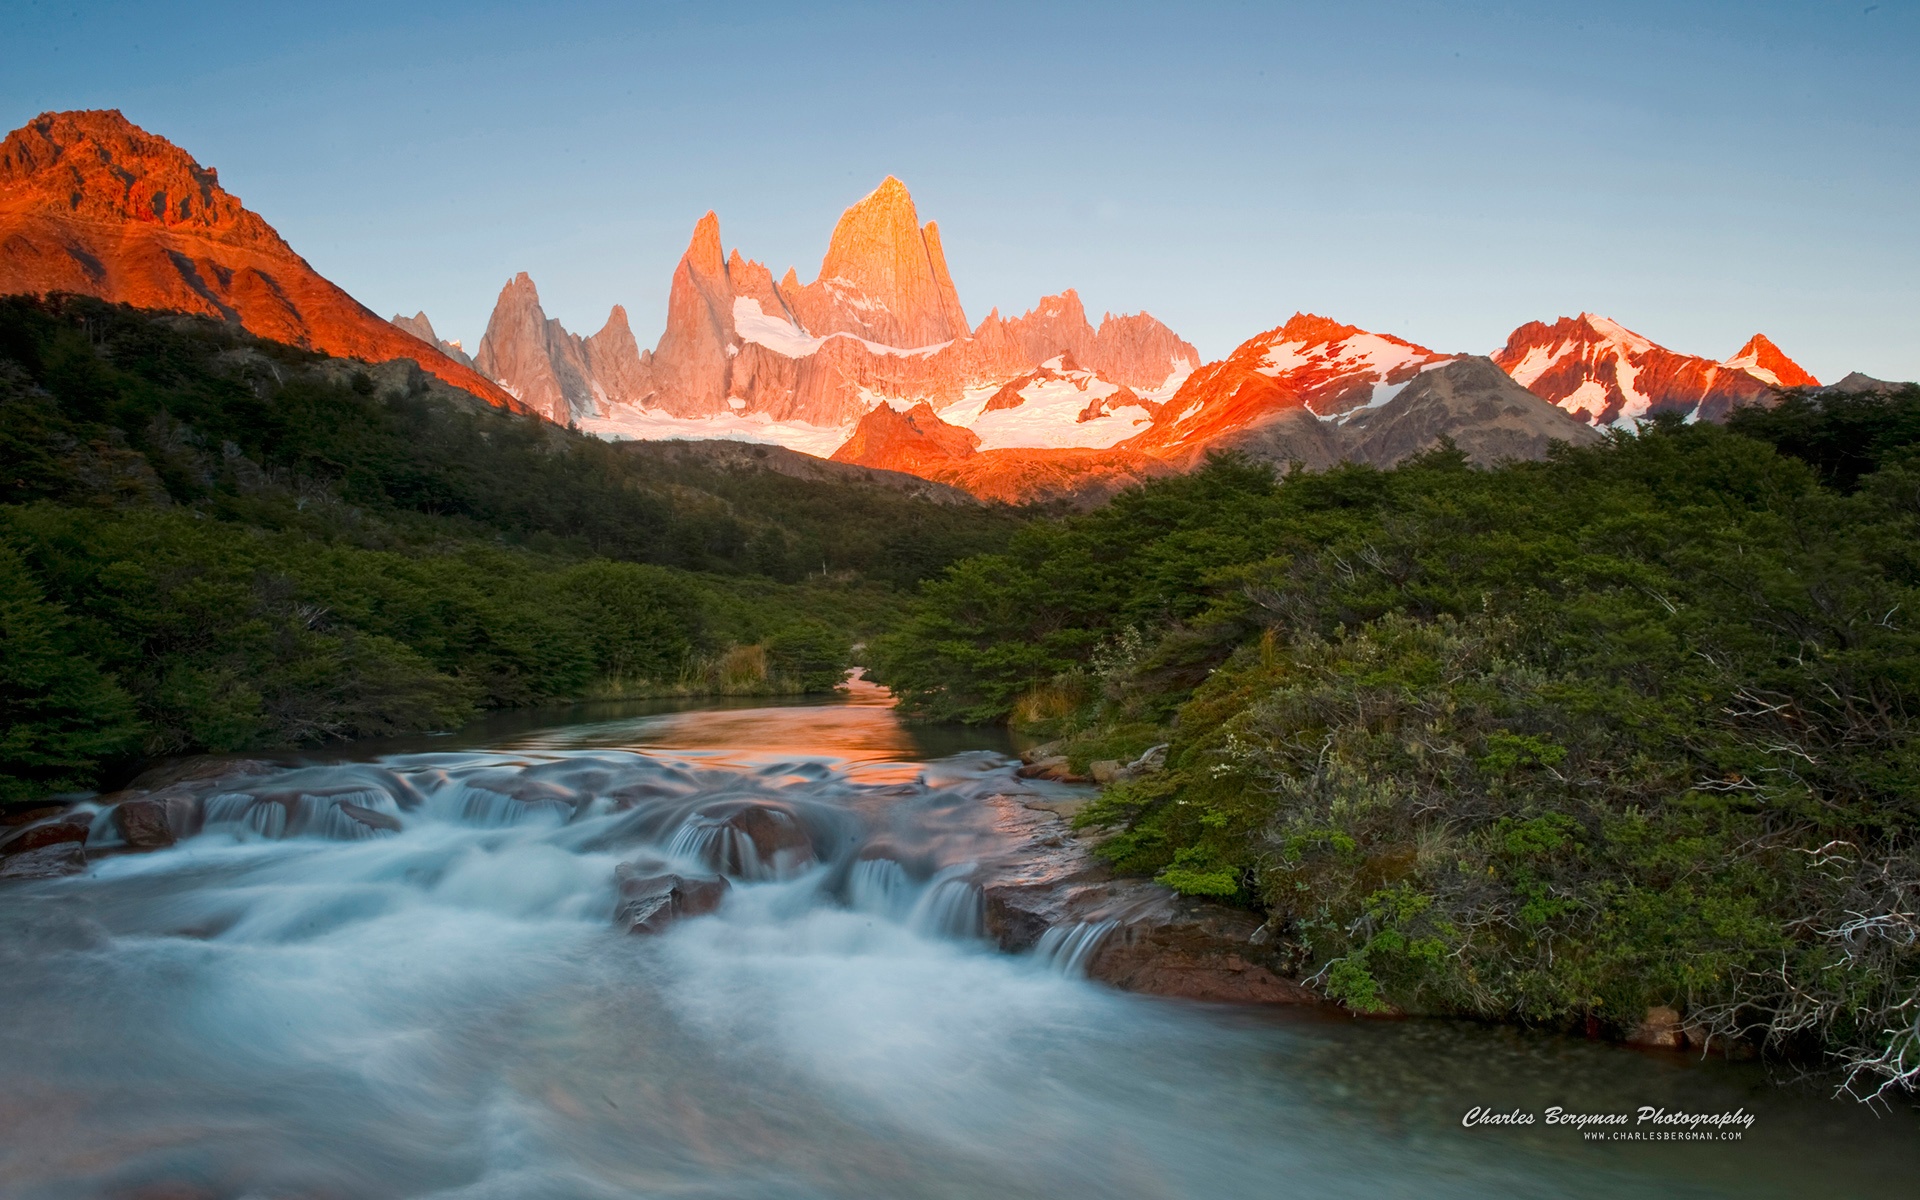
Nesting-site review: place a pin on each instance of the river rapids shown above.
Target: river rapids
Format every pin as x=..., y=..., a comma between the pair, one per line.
x=437, y=1001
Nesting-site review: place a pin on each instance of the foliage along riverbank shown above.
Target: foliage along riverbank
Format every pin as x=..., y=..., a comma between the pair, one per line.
x=1558, y=742
x=210, y=542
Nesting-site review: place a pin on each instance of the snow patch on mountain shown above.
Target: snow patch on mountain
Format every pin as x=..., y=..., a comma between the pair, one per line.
x=1052, y=414
x=1362, y=352
x=785, y=338
x=627, y=423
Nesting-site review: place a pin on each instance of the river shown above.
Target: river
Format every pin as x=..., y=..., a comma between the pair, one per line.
x=317, y=1011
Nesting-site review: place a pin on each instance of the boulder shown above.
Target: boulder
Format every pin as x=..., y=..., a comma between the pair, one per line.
x=47, y=862
x=651, y=902
x=1057, y=767
x=143, y=823
x=752, y=839
x=1660, y=1029
x=1198, y=951
x=68, y=827
x=1156, y=942
x=1033, y=754
x=371, y=818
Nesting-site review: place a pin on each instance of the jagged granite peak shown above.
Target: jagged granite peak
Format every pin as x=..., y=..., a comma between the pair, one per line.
x=1606, y=374
x=619, y=370
x=419, y=326
x=1134, y=349
x=738, y=342
x=92, y=204
x=690, y=362
x=704, y=256
x=534, y=357
x=1057, y=324
x=1760, y=357
x=884, y=277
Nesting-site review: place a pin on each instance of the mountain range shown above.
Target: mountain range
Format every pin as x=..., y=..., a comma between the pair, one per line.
x=873, y=362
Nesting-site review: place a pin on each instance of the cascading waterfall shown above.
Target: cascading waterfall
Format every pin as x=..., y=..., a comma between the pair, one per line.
x=1067, y=949
x=949, y=906
x=402, y=978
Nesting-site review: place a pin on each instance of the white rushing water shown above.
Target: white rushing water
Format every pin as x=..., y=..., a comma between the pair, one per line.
x=295, y=1003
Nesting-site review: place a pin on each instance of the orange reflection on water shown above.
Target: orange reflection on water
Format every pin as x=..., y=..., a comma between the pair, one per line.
x=860, y=730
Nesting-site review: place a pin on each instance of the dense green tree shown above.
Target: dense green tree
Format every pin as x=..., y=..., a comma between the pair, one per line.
x=59, y=716
x=1554, y=742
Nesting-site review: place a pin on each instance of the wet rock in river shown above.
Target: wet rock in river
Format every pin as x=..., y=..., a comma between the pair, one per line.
x=200, y=772
x=1057, y=767
x=143, y=823
x=747, y=839
x=1049, y=891
x=651, y=902
x=68, y=827
x=369, y=817
x=60, y=858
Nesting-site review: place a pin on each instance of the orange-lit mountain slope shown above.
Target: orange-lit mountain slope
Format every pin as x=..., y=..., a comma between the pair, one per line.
x=92, y=204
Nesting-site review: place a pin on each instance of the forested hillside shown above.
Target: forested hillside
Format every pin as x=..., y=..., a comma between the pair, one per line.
x=1554, y=742
x=213, y=542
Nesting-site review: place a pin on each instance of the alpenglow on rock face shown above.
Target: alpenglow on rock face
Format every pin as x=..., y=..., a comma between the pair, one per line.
x=92, y=204
x=884, y=277
x=882, y=319
x=1606, y=374
x=873, y=362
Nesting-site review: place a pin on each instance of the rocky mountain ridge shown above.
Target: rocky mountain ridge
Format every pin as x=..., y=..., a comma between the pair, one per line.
x=881, y=319
x=94, y=205
x=1606, y=374
x=873, y=362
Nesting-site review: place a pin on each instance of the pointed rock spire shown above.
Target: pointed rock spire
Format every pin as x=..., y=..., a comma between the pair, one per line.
x=613, y=358
x=690, y=364
x=884, y=277
x=535, y=358
x=1764, y=360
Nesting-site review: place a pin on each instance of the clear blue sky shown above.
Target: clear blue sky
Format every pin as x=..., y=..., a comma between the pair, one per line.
x=1441, y=171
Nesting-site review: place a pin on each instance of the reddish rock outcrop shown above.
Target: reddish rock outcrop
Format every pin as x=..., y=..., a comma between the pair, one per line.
x=1606, y=374
x=1079, y=478
x=916, y=441
x=92, y=204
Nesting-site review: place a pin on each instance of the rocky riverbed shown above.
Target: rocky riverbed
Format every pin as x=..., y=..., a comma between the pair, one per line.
x=1040, y=887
